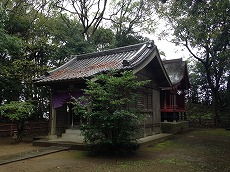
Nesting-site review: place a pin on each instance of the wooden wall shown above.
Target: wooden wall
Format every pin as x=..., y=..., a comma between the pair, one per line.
x=149, y=103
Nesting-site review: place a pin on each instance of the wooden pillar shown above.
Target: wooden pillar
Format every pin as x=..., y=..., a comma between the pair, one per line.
x=165, y=117
x=144, y=129
x=165, y=97
x=174, y=117
x=53, y=123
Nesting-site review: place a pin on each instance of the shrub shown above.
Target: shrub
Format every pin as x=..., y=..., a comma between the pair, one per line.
x=18, y=112
x=110, y=125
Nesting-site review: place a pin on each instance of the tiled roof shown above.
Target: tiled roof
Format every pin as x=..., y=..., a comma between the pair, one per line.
x=176, y=70
x=87, y=65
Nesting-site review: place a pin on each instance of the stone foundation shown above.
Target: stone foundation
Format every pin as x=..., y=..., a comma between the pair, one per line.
x=174, y=127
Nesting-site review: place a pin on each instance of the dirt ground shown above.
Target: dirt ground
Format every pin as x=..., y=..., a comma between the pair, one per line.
x=9, y=146
x=199, y=150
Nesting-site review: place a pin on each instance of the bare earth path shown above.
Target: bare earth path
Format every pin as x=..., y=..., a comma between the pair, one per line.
x=203, y=150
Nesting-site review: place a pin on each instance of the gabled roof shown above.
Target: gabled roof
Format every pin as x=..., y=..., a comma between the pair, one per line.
x=177, y=72
x=134, y=57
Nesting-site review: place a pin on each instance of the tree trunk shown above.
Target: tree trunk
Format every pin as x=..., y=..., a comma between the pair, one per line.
x=215, y=111
x=228, y=84
x=215, y=95
x=20, y=129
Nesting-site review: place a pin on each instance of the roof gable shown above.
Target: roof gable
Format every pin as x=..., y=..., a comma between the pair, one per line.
x=177, y=72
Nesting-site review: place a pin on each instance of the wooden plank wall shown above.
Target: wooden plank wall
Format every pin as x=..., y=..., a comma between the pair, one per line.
x=31, y=128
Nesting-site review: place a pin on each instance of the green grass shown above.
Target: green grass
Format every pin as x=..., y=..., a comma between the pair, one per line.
x=173, y=160
x=132, y=164
x=129, y=165
x=214, y=132
x=203, y=150
x=80, y=154
x=162, y=146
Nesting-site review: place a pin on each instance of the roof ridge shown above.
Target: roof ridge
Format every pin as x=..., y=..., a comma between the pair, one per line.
x=129, y=60
x=106, y=52
x=109, y=51
x=62, y=66
x=172, y=60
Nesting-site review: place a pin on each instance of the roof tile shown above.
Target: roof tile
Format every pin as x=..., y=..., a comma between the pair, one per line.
x=87, y=65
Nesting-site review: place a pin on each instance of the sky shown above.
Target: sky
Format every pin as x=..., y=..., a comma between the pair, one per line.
x=171, y=50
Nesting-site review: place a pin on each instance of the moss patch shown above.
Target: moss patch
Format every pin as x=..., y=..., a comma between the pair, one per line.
x=174, y=160
x=165, y=145
x=214, y=132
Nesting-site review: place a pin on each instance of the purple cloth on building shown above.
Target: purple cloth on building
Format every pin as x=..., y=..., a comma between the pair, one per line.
x=60, y=98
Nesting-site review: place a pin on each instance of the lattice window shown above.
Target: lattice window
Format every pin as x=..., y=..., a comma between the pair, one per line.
x=144, y=101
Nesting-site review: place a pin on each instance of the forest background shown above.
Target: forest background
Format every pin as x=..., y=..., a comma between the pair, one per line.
x=37, y=36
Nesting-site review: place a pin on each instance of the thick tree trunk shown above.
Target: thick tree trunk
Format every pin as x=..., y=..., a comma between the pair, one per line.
x=215, y=106
x=215, y=96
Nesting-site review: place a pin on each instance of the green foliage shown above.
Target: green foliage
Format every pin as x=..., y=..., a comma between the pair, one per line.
x=36, y=36
x=200, y=91
x=10, y=85
x=197, y=111
x=129, y=18
x=203, y=28
x=110, y=123
x=103, y=39
x=129, y=38
x=32, y=41
x=10, y=45
x=17, y=111
x=67, y=38
x=128, y=15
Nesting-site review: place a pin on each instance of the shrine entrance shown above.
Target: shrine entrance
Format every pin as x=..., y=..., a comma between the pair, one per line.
x=66, y=119
x=63, y=114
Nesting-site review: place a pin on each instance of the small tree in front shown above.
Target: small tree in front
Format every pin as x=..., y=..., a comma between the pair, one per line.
x=110, y=125
x=18, y=112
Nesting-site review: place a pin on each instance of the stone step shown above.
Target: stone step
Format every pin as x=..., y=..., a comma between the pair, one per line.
x=73, y=131
x=72, y=137
x=79, y=139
